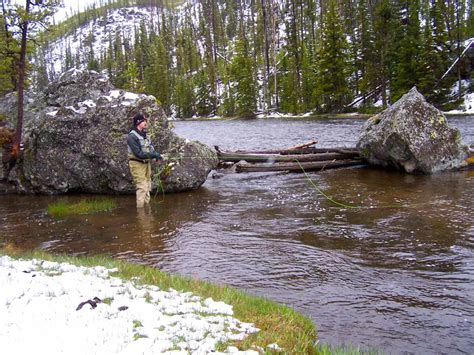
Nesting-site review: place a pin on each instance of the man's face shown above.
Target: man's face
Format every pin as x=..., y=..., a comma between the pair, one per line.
x=142, y=125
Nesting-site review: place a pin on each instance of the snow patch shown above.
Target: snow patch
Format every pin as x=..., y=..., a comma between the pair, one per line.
x=81, y=110
x=467, y=107
x=88, y=103
x=79, y=310
x=130, y=96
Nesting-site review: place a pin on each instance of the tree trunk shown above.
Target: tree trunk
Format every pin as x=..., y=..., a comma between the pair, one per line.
x=21, y=84
x=458, y=33
x=267, y=61
x=275, y=50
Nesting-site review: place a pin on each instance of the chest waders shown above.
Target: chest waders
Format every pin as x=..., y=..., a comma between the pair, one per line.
x=141, y=170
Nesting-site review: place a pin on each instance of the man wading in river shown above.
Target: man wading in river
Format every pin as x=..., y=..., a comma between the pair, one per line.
x=140, y=154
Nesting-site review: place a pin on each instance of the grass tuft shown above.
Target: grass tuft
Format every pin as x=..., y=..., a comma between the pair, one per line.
x=325, y=349
x=86, y=206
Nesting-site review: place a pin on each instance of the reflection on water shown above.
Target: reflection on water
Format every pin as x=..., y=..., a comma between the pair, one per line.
x=396, y=273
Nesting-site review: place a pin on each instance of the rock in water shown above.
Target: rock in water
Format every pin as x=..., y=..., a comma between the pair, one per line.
x=75, y=140
x=413, y=136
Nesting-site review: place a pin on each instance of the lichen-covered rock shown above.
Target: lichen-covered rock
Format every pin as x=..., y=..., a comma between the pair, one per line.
x=75, y=140
x=413, y=136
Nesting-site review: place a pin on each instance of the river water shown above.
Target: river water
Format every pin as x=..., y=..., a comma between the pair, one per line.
x=395, y=274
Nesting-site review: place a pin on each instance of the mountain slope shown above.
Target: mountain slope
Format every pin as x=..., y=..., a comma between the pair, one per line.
x=228, y=58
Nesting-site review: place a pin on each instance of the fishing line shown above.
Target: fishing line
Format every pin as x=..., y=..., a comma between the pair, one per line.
x=329, y=198
x=344, y=205
x=160, y=188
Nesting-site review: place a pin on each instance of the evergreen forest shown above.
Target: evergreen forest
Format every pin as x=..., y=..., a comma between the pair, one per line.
x=237, y=58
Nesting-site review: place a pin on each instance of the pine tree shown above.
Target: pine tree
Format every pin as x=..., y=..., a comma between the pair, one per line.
x=204, y=100
x=470, y=19
x=157, y=74
x=118, y=62
x=207, y=24
x=9, y=54
x=184, y=99
x=428, y=63
x=309, y=78
x=385, y=31
x=68, y=58
x=287, y=84
x=242, y=75
x=406, y=73
x=40, y=73
x=132, y=78
x=367, y=70
x=434, y=55
x=183, y=92
x=7, y=61
x=291, y=80
x=332, y=92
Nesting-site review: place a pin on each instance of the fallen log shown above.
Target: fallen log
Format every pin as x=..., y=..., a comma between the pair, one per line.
x=297, y=167
x=313, y=150
x=275, y=158
x=299, y=151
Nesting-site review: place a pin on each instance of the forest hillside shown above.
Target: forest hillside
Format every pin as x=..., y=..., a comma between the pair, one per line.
x=244, y=57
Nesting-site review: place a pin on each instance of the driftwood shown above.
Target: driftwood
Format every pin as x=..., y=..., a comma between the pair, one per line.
x=302, y=146
x=275, y=158
x=297, y=150
x=299, y=158
x=297, y=167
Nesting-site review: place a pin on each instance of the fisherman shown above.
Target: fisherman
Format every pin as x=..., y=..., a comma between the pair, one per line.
x=140, y=154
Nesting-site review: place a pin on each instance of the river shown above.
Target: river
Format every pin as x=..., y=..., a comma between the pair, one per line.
x=395, y=274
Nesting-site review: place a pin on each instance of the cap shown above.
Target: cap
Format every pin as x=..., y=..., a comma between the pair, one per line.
x=138, y=118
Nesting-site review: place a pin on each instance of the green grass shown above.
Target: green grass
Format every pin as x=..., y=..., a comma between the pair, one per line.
x=86, y=206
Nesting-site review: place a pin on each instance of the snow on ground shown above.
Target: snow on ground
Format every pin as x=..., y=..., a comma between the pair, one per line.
x=468, y=106
x=50, y=308
x=96, y=36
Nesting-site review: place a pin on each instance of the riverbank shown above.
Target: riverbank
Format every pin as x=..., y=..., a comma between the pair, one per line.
x=467, y=110
x=354, y=115
x=101, y=305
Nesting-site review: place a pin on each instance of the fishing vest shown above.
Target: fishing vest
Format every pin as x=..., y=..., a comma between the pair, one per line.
x=145, y=145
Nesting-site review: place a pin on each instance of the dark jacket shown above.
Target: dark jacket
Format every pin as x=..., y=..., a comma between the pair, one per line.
x=136, y=149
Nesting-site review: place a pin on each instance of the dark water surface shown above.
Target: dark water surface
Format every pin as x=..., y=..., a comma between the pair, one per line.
x=396, y=274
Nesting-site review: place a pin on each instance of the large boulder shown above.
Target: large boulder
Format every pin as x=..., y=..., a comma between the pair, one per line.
x=75, y=140
x=413, y=136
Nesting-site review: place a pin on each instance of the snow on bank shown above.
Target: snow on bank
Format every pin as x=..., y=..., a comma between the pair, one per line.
x=40, y=301
x=467, y=108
